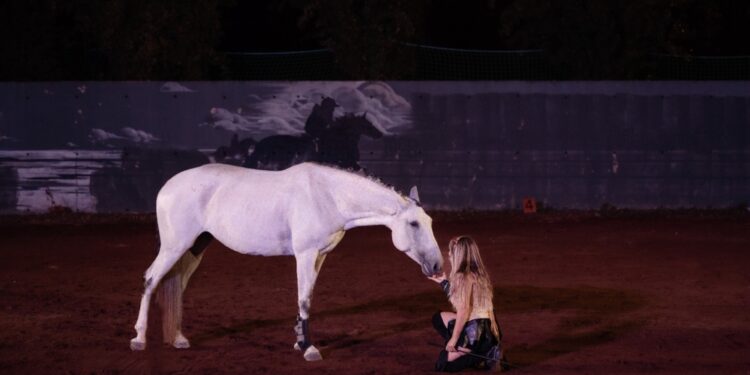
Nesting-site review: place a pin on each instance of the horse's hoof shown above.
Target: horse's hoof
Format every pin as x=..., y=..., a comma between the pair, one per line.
x=312, y=354
x=296, y=347
x=180, y=341
x=181, y=344
x=137, y=345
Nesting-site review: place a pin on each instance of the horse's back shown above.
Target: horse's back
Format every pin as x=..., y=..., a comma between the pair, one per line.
x=235, y=203
x=260, y=193
x=198, y=182
x=199, y=178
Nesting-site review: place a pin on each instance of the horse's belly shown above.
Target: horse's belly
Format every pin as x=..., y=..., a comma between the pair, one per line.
x=255, y=242
x=259, y=246
x=250, y=218
x=265, y=251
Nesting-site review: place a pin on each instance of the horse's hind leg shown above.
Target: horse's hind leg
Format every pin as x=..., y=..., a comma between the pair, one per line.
x=172, y=300
x=161, y=265
x=165, y=260
x=172, y=267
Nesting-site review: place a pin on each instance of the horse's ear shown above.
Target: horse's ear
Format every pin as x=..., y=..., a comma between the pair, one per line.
x=414, y=194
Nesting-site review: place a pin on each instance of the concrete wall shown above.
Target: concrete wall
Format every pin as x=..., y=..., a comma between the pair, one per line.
x=483, y=145
x=576, y=149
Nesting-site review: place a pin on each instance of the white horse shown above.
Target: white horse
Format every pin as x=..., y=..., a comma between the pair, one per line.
x=301, y=211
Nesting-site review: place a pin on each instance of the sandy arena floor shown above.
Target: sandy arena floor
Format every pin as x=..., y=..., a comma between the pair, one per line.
x=575, y=294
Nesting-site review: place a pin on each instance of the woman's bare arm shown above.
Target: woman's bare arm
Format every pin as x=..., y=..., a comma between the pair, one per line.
x=462, y=316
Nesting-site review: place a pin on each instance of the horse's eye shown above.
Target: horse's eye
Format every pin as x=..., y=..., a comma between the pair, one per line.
x=414, y=224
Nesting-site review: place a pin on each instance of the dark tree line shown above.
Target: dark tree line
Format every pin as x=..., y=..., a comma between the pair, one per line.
x=109, y=39
x=619, y=38
x=170, y=39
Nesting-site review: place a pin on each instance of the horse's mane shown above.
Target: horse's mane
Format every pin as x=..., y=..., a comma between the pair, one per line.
x=370, y=178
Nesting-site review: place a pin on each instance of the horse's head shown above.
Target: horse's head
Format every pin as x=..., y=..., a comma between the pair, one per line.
x=411, y=231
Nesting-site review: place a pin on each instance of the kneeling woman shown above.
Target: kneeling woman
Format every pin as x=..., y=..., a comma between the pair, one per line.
x=471, y=333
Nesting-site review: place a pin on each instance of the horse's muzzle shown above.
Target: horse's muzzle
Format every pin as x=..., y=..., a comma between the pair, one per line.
x=432, y=269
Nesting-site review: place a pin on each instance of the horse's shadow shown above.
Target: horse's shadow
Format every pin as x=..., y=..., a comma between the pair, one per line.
x=593, y=316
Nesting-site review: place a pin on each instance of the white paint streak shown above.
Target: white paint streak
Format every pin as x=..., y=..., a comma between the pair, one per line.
x=286, y=111
x=615, y=163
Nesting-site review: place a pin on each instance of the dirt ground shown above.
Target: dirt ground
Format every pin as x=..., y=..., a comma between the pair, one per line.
x=575, y=294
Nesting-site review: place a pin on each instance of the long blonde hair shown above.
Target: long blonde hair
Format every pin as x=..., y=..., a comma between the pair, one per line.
x=468, y=277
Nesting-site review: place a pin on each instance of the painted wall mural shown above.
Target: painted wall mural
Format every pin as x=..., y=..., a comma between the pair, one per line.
x=109, y=146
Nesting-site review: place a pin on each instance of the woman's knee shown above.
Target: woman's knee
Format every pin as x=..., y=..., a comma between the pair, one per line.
x=447, y=316
x=453, y=356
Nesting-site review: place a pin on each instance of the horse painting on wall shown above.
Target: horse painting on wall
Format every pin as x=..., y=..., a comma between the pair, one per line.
x=337, y=145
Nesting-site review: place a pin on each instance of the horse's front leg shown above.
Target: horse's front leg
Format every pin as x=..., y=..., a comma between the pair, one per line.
x=308, y=266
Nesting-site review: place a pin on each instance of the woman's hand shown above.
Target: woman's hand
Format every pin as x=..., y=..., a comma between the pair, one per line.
x=451, y=345
x=437, y=278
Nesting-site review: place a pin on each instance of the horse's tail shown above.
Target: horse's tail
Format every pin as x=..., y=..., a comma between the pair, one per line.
x=169, y=295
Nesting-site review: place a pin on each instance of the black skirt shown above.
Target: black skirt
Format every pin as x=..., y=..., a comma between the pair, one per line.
x=476, y=336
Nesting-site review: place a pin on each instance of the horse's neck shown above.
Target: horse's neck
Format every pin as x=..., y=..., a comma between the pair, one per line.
x=362, y=202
